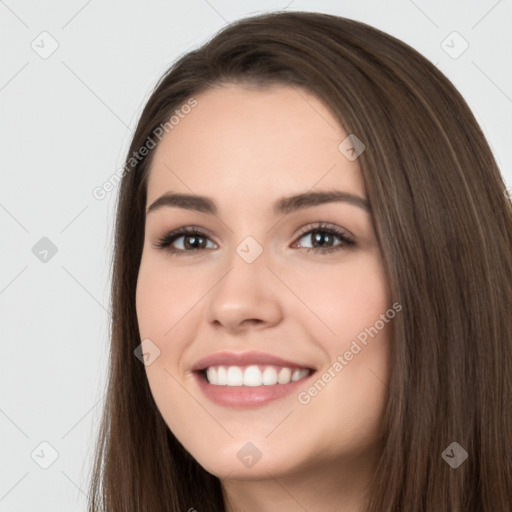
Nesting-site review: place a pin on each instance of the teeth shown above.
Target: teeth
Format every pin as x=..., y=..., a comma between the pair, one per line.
x=284, y=376
x=222, y=376
x=235, y=376
x=212, y=375
x=269, y=376
x=253, y=376
x=299, y=374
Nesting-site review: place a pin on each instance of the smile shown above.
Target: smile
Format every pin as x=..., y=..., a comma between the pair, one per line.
x=251, y=387
x=254, y=375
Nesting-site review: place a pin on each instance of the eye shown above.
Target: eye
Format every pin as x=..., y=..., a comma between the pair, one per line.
x=324, y=234
x=192, y=236
x=194, y=239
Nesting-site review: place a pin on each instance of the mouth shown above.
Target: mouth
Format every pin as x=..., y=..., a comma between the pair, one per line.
x=253, y=375
x=248, y=387
x=249, y=379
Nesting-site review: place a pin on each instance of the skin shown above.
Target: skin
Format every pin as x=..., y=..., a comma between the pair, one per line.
x=245, y=148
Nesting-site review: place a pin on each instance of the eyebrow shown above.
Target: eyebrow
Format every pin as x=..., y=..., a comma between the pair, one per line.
x=284, y=205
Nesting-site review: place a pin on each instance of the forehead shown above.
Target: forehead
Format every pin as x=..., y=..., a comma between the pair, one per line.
x=253, y=143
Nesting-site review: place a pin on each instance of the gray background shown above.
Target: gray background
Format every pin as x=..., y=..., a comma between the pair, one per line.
x=66, y=122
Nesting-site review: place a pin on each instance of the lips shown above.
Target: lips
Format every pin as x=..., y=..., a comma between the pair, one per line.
x=255, y=390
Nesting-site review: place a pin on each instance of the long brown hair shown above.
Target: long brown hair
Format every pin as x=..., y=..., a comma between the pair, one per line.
x=444, y=225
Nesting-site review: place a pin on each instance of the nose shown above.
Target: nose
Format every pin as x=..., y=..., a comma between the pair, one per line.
x=247, y=295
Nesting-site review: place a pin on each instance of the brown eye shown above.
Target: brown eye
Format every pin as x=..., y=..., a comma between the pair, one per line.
x=193, y=241
x=323, y=235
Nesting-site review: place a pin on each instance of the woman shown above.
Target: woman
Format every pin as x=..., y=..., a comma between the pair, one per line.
x=313, y=270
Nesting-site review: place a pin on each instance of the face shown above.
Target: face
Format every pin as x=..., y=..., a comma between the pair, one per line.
x=270, y=293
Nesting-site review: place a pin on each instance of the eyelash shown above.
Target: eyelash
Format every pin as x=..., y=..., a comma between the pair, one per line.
x=166, y=240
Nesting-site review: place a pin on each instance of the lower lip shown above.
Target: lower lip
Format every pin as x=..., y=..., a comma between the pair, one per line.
x=247, y=396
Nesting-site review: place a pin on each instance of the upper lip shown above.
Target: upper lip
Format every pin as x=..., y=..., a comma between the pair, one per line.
x=243, y=359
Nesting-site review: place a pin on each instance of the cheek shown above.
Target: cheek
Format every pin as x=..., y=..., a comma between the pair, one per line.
x=354, y=302
x=347, y=299
x=151, y=303
x=162, y=298
x=162, y=303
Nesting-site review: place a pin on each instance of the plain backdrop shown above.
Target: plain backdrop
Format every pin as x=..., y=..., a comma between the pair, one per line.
x=74, y=77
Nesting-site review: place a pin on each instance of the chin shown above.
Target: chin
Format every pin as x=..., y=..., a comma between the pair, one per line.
x=247, y=461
